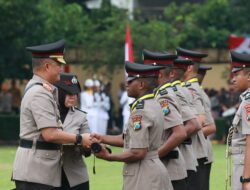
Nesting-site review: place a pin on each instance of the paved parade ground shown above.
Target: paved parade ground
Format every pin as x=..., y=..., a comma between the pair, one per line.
x=108, y=174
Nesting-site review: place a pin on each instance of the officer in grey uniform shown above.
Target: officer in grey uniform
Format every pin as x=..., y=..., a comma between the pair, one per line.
x=142, y=135
x=199, y=141
x=209, y=127
x=74, y=170
x=240, y=146
x=174, y=132
x=37, y=163
x=189, y=119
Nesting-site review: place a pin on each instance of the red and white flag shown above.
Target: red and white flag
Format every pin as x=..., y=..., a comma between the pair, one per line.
x=129, y=54
x=240, y=44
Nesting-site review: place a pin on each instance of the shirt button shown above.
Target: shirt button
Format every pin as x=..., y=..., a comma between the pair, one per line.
x=126, y=172
x=47, y=154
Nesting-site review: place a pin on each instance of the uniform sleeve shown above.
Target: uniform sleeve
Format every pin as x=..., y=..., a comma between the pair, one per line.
x=43, y=108
x=140, y=124
x=84, y=127
x=170, y=111
x=197, y=101
x=186, y=112
x=208, y=118
x=246, y=117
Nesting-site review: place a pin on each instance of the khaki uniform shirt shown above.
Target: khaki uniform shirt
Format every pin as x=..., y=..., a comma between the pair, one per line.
x=73, y=164
x=208, y=120
x=199, y=141
x=171, y=111
x=241, y=124
x=144, y=131
x=186, y=114
x=38, y=110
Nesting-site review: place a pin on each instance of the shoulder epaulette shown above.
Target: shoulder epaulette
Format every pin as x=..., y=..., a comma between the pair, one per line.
x=247, y=96
x=80, y=110
x=163, y=91
x=140, y=104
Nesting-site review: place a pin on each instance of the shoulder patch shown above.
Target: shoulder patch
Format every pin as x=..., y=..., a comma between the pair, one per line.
x=174, y=88
x=163, y=91
x=136, y=119
x=140, y=104
x=247, y=109
x=247, y=96
x=80, y=110
x=165, y=107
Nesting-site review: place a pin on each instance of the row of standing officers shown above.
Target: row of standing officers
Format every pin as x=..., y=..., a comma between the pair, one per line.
x=165, y=141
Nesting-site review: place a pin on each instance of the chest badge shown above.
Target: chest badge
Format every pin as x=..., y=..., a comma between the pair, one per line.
x=165, y=107
x=136, y=119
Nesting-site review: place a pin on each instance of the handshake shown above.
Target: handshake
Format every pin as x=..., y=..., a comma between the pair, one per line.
x=92, y=142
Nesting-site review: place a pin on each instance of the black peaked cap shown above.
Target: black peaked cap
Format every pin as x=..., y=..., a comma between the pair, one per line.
x=185, y=52
x=69, y=83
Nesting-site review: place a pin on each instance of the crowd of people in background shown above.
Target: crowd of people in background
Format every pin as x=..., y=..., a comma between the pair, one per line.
x=10, y=98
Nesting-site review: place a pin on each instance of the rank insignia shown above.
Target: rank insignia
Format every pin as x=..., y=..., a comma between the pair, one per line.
x=137, y=122
x=47, y=87
x=165, y=107
x=247, y=107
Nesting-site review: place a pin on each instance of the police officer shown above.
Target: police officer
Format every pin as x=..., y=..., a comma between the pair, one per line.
x=37, y=161
x=142, y=136
x=209, y=127
x=189, y=119
x=174, y=133
x=240, y=142
x=74, y=170
x=190, y=76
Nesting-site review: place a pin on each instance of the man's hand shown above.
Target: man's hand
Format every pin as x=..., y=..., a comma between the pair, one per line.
x=86, y=140
x=96, y=138
x=103, y=154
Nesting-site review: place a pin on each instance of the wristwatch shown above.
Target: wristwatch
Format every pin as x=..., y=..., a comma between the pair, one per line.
x=244, y=180
x=78, y=139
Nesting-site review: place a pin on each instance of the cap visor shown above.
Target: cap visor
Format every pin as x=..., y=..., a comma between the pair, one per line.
x=234, y=70
x=131, y=78
x=61, y=60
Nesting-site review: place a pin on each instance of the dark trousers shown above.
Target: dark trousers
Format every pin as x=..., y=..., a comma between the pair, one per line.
x=66, y=186
x=191, y=180
x=200, y=175
x=23, y=185
x=179, y=184
x=207, y=176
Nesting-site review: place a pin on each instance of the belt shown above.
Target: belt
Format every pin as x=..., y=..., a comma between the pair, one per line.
x=151, y=155
x=174, y=154
x=39, y=145
x=187, y=141
x=237, y=150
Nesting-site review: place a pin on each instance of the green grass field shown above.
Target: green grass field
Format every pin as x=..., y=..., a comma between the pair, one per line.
x=109, y=174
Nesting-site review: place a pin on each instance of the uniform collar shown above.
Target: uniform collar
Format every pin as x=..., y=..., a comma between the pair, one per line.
x=146, y=96
x=176, y=82
x=193, y=80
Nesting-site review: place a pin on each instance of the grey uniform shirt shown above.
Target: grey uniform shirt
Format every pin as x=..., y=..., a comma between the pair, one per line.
x=144, y=131
x=73, y=163
x=208, y=120
x=199, y=141
x=241, y=125
x=171, y=111
x=38, y=110
x=186, y=114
